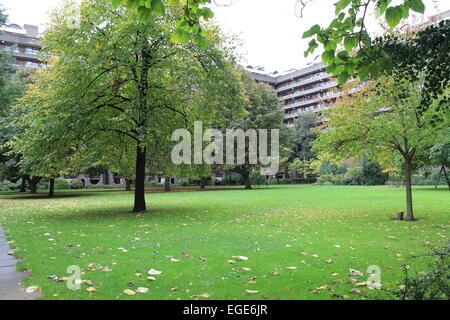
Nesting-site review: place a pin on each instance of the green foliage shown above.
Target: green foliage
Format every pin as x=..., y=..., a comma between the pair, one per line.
x=421, y=56
x=348, y=30
x=354, y=176
x=257, y=179
x=332, y=168
x=329, y=179
x=372, y=173
x=433, y=285
x=6, y=185
x=189, y=16
x=440, y=154
x=61, y=184
x=103, y=186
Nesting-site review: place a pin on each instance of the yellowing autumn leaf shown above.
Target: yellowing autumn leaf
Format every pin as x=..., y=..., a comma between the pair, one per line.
x=129, y=292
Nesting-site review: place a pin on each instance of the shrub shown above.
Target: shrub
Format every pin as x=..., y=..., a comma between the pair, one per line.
x=433, y=285
x=152, y=184
x=353, y=176
x=76, y=184
x=281, y=181
x=43, y=184
x=327, y=179
x=329, y=167
x=257, y=178
x=104, y=186
x=372, y=174
x=61, y=183
x=6, y=185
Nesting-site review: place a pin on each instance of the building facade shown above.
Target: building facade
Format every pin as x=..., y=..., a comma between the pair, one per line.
x=310, y=89
x=23, y=43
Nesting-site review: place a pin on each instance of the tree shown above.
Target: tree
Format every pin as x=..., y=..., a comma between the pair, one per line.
x=263, y=111
x=117, y=75
x=382, y=120
x=440, y=155
x=301, y=139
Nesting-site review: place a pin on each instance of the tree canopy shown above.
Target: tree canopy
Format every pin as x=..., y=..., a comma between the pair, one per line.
x=120, y=77
x=382, y=120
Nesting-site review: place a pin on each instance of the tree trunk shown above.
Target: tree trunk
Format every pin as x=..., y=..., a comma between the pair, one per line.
x=246, y=176
x=33, y=184
x=202, y=183
x=409, y=204
x=51, y=188
x=23, y=186
x=127, y=185
x=167, y=185
x=439, y=178
x=139, y=192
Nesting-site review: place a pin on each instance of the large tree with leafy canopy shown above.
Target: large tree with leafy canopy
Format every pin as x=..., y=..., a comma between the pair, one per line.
x=382, y=119
x=118, y=75
x=262, y=111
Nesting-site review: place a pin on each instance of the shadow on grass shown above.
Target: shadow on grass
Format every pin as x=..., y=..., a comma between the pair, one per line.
x=44, y=196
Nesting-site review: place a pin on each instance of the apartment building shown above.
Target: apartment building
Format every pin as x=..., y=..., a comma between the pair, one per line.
x=24, y=44
x=310, y=89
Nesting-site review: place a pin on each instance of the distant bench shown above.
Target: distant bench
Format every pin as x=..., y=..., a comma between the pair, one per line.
x=397, y=183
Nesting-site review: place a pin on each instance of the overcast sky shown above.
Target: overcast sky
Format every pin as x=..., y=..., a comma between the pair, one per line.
x=270, y=29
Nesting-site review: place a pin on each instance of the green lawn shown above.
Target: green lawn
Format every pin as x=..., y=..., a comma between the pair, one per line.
x=276, y=227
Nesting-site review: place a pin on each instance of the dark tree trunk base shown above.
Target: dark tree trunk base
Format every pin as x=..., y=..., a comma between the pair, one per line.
x=139, y=192
x=51, y=189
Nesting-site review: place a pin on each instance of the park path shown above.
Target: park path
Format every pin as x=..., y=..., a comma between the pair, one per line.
x=11, y=287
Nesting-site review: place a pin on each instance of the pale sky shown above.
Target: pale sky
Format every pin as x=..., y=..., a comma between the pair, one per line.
x=270, y=29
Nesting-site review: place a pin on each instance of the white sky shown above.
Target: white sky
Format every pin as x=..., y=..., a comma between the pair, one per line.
x=270, y=29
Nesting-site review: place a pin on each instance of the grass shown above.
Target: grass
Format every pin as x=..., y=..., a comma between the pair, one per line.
x=276, y=227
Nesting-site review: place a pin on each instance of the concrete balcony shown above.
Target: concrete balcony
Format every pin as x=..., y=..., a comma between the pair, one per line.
x=329, y=85
x=322, y=76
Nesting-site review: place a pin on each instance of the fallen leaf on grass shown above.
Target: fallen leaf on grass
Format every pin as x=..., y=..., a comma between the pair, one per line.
x=91, y=289
x=291, y=268
x=141, y=290
x=151, y=278
x=202, y=295
x=356, y=291
x=154, y=272
x=129, y=292
x=31, y=289
x=355, y=273
x=251, y=292
x=240, y=258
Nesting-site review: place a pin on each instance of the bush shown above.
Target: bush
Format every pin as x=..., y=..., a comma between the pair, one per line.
x=43, y=184
x=6, y=185
x=353, y=176
x=326, y=179
x=104, y=186
x=329, y=167
x=281, y=181
x=257, y=178
x=372, y=174
x=232, y=180
x=61, y=184
x=152, y=184
x=76, y=184
x=433, y=285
